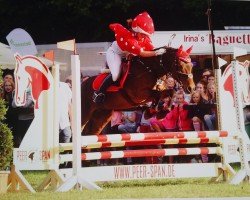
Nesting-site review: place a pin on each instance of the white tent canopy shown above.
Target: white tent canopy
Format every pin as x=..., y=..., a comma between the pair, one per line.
x=7, y=60
x=6, y=57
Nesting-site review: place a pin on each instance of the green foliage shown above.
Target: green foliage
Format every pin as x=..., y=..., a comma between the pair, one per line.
x=6, y=138
x=3, y=109
x=6, y=146
x=51, y=21
x=2, y=105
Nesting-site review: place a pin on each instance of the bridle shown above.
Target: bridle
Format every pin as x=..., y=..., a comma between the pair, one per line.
x=162, y=68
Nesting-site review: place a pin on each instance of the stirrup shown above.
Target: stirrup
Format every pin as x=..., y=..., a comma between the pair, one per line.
x=98, y=97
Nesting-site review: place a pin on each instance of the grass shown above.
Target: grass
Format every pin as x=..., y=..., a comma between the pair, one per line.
x=136, y=189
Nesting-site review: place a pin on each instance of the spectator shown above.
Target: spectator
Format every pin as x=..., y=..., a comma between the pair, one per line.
x=205, y=74
x=197, y=110
x=211, y=92
x=170, y=82
x=156, y=124
x=210, y=119
x=65, y=116
x=177, y=118
x=211, y=79
x=8, y=88
x=187, y=97
x=201, y=87
x=145, y=126
x=170, y=122
x=129, y=124
x=8, y=77
x=156, y=120
x=7, y=95
x=170, y=86
x=184, y=123
x=165, y=120
x=25, y=118
x=116, y=120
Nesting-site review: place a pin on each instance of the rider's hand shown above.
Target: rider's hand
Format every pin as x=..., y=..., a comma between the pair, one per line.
x=160, y=52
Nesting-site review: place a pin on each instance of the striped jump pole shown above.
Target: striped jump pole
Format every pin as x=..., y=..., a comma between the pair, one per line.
x=144, y=153
x=148, y=136
x=205, y=140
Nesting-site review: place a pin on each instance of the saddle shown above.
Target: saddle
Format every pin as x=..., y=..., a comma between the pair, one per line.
x=118, y=84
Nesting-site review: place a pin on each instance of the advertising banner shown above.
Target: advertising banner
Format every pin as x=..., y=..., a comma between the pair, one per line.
x=21, y=42
x=225, y=40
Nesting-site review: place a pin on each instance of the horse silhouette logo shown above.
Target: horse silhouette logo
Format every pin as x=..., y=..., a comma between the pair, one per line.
x=30, y=72
x=243, y=80
x=31, y=156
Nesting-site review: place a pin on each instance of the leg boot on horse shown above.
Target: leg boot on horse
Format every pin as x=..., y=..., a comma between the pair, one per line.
x=99, y=95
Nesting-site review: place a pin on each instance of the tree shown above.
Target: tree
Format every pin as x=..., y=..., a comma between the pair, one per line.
x=51, y=21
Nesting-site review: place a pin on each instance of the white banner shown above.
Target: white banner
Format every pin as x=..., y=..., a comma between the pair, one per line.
x=147, y=171
x=225, y=41
x=67, y=45
x=21, y=42
x=6, y=56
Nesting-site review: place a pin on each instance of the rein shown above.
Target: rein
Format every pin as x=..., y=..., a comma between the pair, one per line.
x=149, y=68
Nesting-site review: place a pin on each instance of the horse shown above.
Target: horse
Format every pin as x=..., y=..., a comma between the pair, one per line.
x=137, y=90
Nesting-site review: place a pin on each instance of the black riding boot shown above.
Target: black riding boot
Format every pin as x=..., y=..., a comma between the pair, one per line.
x=99, y=95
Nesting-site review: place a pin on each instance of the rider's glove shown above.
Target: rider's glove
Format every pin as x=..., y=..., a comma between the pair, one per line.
x=160, y=52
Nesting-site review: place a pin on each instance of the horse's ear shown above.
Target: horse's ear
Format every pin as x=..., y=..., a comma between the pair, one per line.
x=189, y=49
x=179, y=50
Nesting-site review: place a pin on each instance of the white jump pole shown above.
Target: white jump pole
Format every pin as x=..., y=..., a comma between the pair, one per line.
x=77, y=180
x=55, y=72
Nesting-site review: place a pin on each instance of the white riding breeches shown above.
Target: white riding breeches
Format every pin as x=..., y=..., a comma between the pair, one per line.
x=114, y=59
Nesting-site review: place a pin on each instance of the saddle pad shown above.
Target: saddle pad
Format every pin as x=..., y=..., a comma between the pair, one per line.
x=113, y=88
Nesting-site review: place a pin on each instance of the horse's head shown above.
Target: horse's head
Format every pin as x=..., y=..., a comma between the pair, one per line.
x=178, y=63
x=31, y=73
x=185, y=67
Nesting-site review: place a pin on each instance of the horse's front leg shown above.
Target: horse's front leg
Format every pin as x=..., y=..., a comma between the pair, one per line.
x=97, y=122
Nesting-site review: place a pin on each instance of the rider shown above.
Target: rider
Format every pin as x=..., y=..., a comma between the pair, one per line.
x=136, y=42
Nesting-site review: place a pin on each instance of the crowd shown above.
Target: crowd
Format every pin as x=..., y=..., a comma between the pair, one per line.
x=175, y=111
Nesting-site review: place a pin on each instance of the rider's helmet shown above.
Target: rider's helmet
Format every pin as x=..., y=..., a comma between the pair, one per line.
x=143, y=23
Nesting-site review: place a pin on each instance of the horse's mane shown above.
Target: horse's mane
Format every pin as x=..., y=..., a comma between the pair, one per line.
x=169, y=59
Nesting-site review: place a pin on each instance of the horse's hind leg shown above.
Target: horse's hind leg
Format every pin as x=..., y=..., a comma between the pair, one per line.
x=97, y=122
